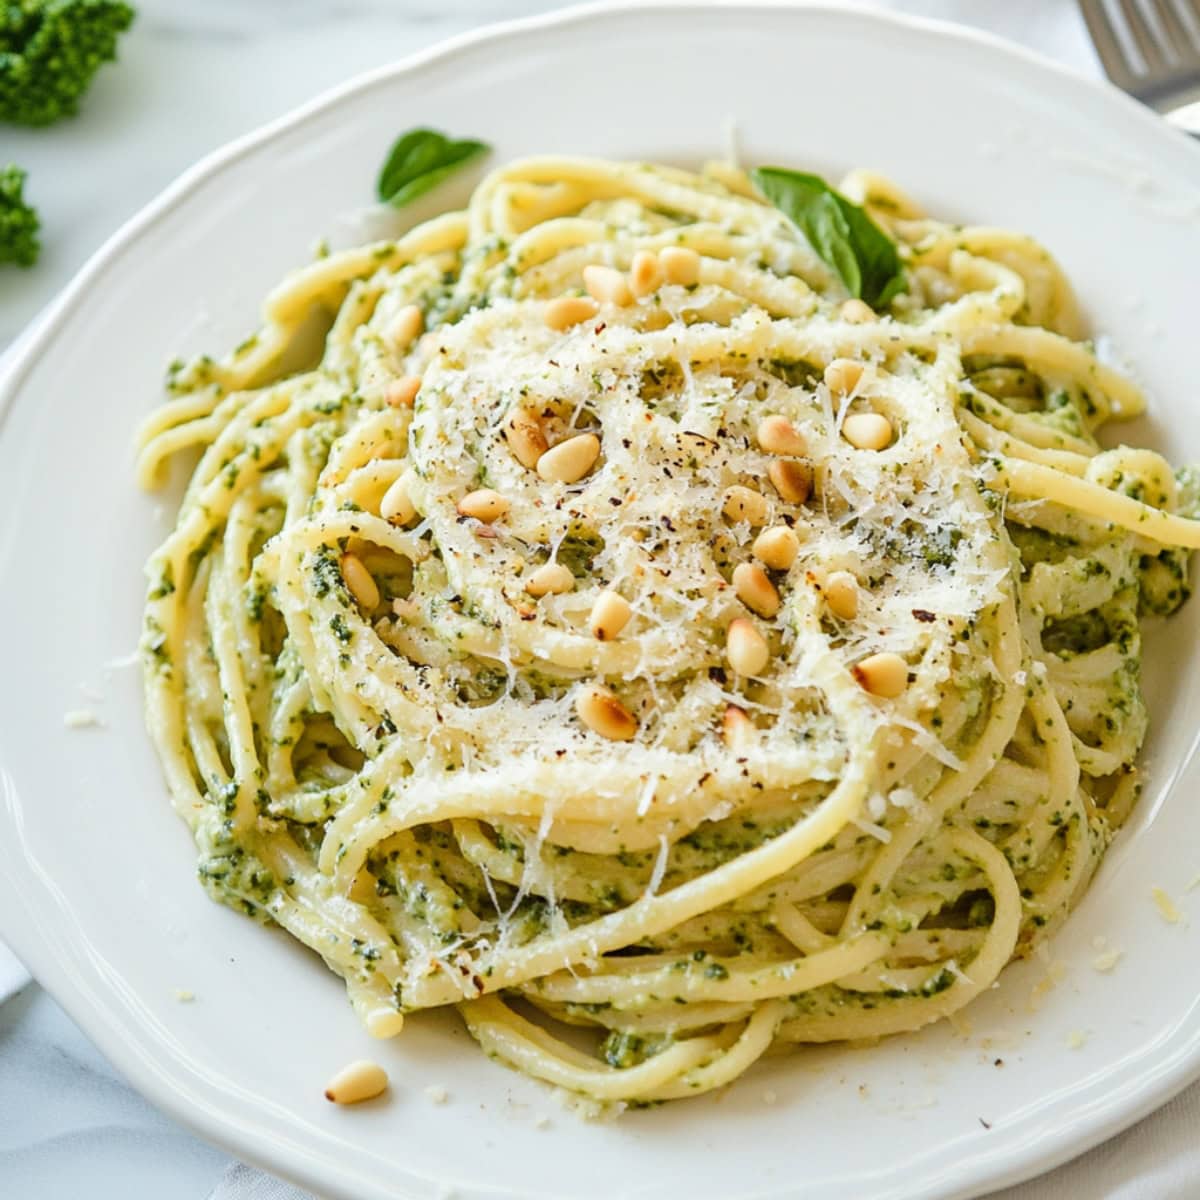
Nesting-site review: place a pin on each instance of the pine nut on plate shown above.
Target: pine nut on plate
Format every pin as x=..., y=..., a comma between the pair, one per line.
x=843, y=375
x=525, y=436
x=357, y=1082
x=565, y=312
x=736, y=728
x=868, y=430
x=550, y=579
x=406, y=326
x=745, y=504
x=396, y=507
x=569, y=461
x=841, y=595
x=402, y=392
x=755, y=590
x=777, y=435
x=606, y=285
x=884, y=675
x=792, y=478
x=610, y=614
x=645, y=273
x=358, y=580
x=484, y=505
x=601, y=711
x=777, y=547
x=680, y=265
x=858, y=312
x=745, y=647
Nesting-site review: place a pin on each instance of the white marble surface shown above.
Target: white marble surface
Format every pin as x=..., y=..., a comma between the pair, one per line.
x=192, y=76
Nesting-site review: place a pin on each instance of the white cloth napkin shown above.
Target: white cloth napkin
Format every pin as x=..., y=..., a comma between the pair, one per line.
x=1158, y=1159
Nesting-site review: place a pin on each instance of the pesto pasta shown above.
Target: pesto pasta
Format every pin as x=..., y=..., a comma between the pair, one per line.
x=585, y=612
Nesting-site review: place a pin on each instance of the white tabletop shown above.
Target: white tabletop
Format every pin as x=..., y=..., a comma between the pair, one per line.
x=192, y=76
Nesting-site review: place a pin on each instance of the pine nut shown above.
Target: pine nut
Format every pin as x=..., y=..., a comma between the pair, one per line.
x=792, y=479
x=777, y=547
x=606, y=285
x=484, y=505
x=736, y=728
x=610, y=614
x=359, y=1081
x=645, y=274
x=858, y=312
x=525, y=438
x=745, y=504
x=680, y=265
x=570, y=461
x=755, y=590
x=550, y=579
x=384, y=1022
x=843, y=375
x=406, y=327
x=402, y=392
x=883, y=675
x=841, y=595
x=868, y=430
x=396, y=507
x=568, y=311
x=604, y=714
x=358, y=580
x=745, y=647
x=777, y=435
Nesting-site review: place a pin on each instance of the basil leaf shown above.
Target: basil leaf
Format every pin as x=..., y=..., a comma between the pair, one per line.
x=419, y=160
x=863, y=256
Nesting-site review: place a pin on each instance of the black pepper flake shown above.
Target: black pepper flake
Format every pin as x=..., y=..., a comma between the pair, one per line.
x=923, y=614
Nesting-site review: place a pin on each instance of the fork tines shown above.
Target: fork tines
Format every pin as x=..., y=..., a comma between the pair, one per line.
x=1150, y=48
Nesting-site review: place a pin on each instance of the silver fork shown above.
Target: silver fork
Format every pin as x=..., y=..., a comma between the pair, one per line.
x=1151, y=49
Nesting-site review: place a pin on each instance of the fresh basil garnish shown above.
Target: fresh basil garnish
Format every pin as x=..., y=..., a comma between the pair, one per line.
x=862, y=255
x=419, y=160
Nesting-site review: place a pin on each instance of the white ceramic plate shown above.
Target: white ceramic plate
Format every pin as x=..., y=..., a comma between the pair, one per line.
x=97, y=888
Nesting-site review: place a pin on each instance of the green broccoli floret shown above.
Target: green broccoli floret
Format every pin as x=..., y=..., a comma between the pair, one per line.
x=18, y=221
x=49, y=52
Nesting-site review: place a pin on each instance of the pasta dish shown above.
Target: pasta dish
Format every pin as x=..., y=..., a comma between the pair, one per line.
x=590, y=611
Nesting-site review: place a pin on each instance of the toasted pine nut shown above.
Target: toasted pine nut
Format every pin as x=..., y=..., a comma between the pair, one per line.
x=841, y=595
x=745, y=504
x=610, y=614
x=777, y=435
x=868, y=430
x=680, y=265
x=858, y=312
x=755, y=590
x=883, y=674
x=358, y=580
x=396, y=507
x=406, y=327
x=606, y=285
x=550, y=579
x=745, y=647
x=484, y=505
x=604, y=714
x=359, y=1081
x=402, y=392
x=570, y=461
x=736, y=728
x=777, y=547
x=525, y=437
x=792, y=478
x=645, y=274
x=567, y=311
x=843, y=375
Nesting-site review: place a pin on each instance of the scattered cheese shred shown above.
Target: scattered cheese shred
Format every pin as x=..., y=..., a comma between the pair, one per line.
x=1166, y=906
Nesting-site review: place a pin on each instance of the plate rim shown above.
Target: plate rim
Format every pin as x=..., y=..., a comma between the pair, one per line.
x=170, y=1080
